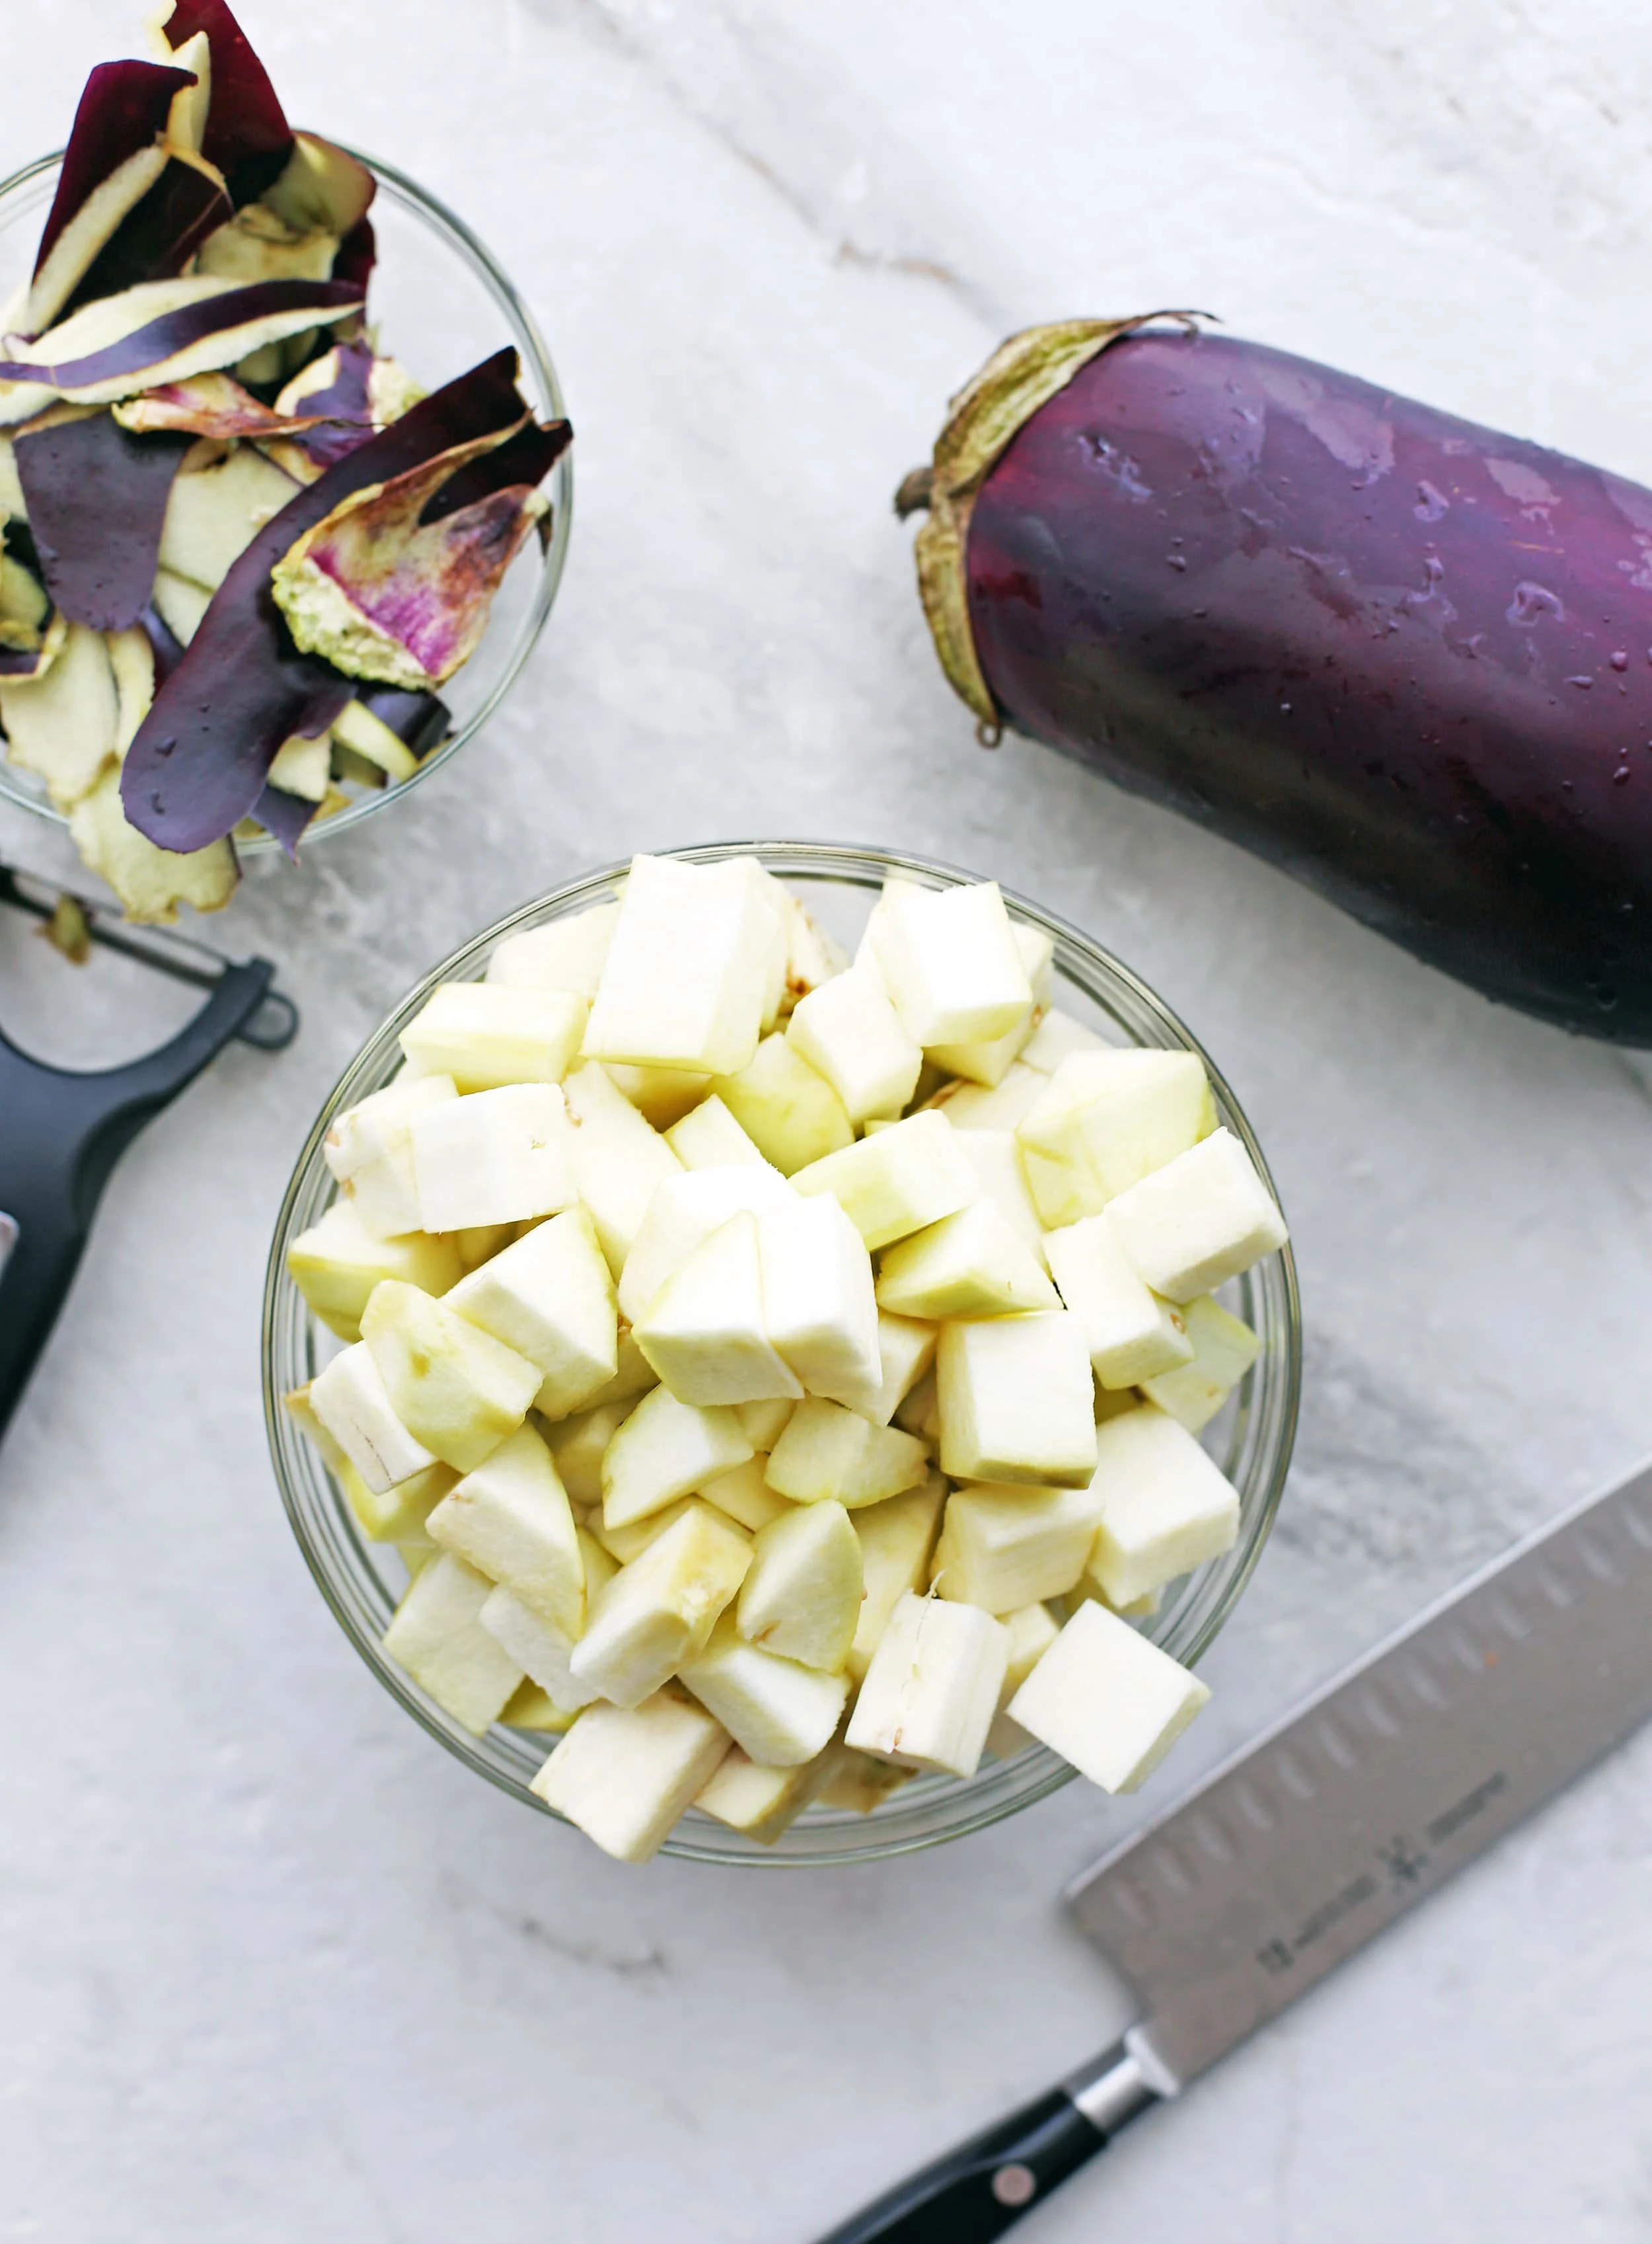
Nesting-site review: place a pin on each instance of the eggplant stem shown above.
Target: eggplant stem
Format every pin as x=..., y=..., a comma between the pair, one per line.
x=915, y=493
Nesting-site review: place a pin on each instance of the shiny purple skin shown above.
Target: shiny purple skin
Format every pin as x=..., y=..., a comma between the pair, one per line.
x=1405, y=658
x=97, y=498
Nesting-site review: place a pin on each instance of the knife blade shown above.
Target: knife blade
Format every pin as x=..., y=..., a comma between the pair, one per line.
x=1301, y=1848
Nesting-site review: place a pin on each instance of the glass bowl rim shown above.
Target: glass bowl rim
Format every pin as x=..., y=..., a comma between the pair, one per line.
x=859, y=865
x=473, y=250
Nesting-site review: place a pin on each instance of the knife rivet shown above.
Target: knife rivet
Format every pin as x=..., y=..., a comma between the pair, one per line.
x=1015, y=2185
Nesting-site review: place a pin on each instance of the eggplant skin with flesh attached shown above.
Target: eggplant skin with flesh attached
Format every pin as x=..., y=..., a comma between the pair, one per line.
x=1405, y=658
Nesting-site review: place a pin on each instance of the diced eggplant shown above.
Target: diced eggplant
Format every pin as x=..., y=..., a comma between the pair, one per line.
x=64, y=726
x=114, y=156
x=202, y=756
x=96, y=496
x=1404, y=657
x=389, y=593
x=247, y=136
x=163, y=331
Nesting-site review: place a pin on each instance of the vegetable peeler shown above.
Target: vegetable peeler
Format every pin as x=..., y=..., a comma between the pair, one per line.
x=63, y=1129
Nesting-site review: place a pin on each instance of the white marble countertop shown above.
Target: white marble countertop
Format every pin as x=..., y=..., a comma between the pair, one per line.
x=274, y=1966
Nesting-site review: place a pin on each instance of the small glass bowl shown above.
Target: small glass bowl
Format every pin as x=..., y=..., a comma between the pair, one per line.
x=363, y=1581
x=440, y=302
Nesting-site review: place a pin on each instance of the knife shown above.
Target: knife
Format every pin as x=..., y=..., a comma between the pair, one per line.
x=1300, y=1849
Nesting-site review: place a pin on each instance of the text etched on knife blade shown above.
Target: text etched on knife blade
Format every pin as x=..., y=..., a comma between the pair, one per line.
x=1404, y=1864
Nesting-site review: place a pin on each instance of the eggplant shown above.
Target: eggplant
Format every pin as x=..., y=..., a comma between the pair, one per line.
x=208, y=405
x=407, y=589
x=114, y=156
x=204, y=325
x=1404, y=657
x=247, y=137
x=96, y=496
x=158, y=235
x=199, y=761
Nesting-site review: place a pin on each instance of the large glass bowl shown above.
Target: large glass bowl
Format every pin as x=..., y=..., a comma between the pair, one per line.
x=361, y=1581
x=440, y=301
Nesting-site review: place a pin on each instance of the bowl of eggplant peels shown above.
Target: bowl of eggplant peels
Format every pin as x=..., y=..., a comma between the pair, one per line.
x=285, y=482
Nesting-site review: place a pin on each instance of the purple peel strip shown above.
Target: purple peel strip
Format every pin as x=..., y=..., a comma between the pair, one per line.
x=161, y=339
x=200, y=758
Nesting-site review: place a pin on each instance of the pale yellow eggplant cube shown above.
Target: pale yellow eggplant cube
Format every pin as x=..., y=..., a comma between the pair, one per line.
x=803, y=1596
x=567, y=954
x=951, y=964
x=660, y=1609
x=819, y=1306
x=896, y=1181
x=788, y=1111
x=686, y=981
x=437, y=1635
x=454, y=1388
x=1106, y=1119
x=932, y=1688
x=1107, y=1700
x=368, y=1149
x=619, y=1160
x=704, y=1330
x=549, y=1296
x=511, y=1520
x=828, y=1454
x=1002, y=1548
x=665, y=1449
x=626, y=1776
x=1200, y=1220
x=1016, y=1401
x=896, y=1538
x=1165, y=1507
x=848, y=1033
x=336, y=1263
x=709, y=1137
x=504, y=1156
x=1132, y=1332
x=776, y=1710
x=1224, y=1347
x=485, y=1034
x=970, y=1265
x=683, y=1211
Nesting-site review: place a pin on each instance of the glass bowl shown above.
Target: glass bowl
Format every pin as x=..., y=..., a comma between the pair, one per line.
x=440, y=302
x=361, y=1581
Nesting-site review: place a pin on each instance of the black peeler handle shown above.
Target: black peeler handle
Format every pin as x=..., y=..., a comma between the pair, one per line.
x=61, y=1134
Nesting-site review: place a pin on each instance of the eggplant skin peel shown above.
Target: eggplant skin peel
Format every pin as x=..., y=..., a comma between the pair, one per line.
x=1406, y=658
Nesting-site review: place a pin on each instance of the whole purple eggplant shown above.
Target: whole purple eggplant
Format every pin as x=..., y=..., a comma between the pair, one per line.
x=1406, y=658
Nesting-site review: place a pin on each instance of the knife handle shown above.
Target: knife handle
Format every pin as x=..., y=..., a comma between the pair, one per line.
x=980, y=2190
